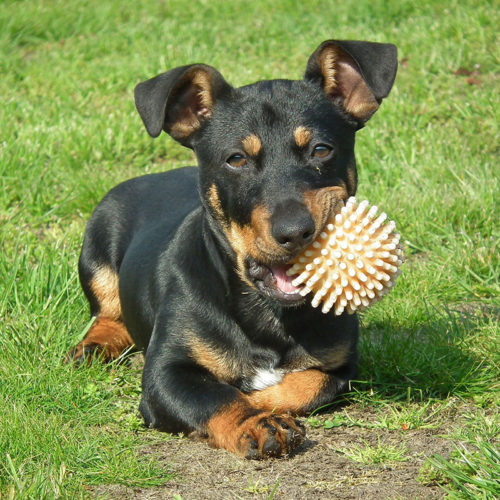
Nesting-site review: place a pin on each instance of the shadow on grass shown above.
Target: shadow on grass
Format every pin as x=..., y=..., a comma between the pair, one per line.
x=446, y=355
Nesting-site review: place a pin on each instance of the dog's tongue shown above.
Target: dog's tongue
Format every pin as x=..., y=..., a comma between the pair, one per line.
x=284, y=282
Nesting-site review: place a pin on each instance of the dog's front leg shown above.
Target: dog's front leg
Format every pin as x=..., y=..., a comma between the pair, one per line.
x=179, y=395
x=303, y=391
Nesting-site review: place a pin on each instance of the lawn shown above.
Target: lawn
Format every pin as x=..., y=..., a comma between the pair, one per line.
x=69, y=132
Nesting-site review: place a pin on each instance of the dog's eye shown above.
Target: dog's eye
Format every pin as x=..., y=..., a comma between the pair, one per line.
x=237, y=161
x=321, y=151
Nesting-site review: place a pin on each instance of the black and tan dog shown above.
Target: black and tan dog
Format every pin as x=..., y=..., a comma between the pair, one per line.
x=190, y=265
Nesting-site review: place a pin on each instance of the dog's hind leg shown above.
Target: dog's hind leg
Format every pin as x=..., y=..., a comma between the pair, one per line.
x=108, y=337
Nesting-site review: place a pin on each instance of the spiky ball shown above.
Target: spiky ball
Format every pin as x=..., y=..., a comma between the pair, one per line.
x=353, y=263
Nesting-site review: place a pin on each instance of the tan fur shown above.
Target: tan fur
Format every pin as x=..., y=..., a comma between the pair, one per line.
x=253, y=240
x=104, y=286
x=237, y=424
x=252, y=145
x=292, y=394
x=327, y=63
x=341, y=76
x=108, y=337
x=302, y=136
x=202, y=80
x=214, y=201
x=218, y=362
x=188, y=122
x=321, y=203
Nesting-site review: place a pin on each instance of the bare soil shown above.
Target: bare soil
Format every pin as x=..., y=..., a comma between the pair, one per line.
x=318, y=470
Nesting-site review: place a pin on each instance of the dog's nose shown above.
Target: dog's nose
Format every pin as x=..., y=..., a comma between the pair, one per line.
x=293, y=227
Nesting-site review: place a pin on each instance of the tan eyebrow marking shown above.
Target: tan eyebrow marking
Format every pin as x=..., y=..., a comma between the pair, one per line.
x=302, y=136
x=252, y=145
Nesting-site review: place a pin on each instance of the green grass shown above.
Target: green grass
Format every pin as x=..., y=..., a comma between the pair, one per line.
x=382, y=454
x=69, y=132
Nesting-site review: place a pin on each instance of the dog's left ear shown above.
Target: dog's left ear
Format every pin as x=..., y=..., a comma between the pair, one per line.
x=357, y=75
x=179, y=101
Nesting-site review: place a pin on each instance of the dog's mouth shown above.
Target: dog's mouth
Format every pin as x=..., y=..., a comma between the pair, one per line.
x=272, y=281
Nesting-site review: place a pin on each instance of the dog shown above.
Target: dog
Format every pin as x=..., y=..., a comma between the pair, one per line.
x=189, y=266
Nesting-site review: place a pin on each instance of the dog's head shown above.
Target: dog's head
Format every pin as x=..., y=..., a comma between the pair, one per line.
x=277, y=156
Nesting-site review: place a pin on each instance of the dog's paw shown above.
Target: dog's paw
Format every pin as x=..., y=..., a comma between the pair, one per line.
x=269, y=436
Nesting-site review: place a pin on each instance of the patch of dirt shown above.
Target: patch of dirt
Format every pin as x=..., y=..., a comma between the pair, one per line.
x=317, y=471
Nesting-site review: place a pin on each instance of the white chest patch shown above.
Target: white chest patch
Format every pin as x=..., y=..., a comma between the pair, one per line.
x=265, y=378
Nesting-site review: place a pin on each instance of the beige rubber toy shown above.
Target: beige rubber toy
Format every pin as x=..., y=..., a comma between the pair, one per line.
x=353, y=263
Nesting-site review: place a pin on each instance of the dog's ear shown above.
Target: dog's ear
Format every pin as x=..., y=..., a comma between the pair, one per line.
x=180, y=100
x=357, y=75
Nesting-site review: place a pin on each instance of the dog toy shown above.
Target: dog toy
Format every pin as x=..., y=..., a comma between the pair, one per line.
x=353, y=263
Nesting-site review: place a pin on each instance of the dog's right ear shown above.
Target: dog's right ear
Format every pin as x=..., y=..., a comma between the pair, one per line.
x=180, y=100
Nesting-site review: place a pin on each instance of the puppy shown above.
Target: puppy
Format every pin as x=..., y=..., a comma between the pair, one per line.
x=189, y=266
